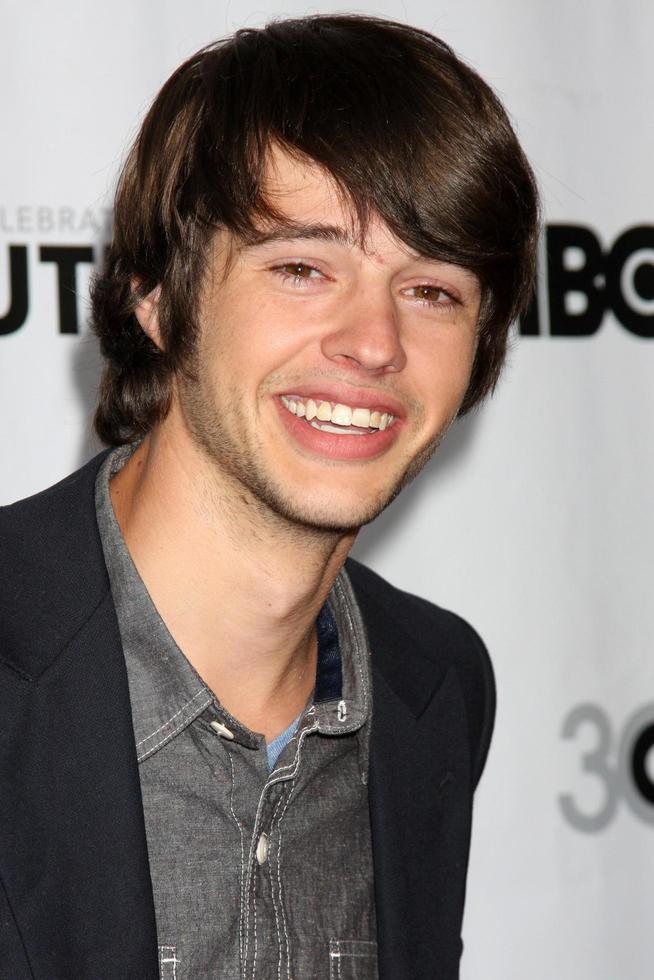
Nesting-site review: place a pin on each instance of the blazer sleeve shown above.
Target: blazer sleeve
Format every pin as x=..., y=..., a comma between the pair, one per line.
x=486, y=698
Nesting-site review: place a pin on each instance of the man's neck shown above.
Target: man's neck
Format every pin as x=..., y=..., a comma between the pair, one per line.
x=238, y=589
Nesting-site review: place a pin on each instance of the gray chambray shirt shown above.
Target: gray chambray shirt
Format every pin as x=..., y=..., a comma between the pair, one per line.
x=255, y=874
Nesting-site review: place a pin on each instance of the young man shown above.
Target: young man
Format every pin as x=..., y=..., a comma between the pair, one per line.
x=226, y=751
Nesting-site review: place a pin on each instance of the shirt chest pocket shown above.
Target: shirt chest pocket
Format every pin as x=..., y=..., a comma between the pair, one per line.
x=351, y=959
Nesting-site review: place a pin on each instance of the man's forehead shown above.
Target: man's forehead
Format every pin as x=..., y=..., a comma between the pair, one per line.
x=305, y=200
x=291, y=172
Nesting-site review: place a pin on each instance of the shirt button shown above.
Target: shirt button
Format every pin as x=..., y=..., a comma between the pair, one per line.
x=221, y=729
x=262, y=849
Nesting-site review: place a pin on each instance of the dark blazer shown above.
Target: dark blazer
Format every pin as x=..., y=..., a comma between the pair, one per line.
x=75, y=893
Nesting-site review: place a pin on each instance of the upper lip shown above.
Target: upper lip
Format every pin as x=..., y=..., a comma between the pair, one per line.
x=340, y=394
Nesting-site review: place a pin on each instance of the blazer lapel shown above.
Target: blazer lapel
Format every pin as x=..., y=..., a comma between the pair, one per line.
x=420, y=820
x=420, y=790
x=76, y=869
x=73, y=854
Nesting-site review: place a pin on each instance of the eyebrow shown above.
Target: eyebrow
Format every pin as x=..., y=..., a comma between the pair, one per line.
x=292, y=230
x=289, y=231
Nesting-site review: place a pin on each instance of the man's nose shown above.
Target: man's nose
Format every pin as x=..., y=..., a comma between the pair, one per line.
x=368, y=335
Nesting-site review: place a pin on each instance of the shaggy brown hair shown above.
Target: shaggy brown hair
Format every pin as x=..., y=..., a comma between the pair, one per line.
x=404, y=128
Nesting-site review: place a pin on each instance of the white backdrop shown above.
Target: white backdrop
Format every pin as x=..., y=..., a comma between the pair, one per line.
x=534, y=521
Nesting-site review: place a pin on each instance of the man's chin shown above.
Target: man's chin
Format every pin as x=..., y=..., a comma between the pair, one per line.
x=330, y=520
x=330, y=512
x=334, y=508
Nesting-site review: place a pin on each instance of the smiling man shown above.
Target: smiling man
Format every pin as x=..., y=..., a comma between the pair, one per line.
x=228, y=750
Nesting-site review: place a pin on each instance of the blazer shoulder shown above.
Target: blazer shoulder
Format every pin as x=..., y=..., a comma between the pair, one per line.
x=44, y=512
x=52, y=569
x=415, y=643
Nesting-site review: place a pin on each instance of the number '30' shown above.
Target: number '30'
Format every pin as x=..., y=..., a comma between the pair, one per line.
x=627, y=779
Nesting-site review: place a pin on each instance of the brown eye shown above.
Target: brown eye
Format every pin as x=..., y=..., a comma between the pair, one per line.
x=298, y=269
x=299, y=274
x=431, y=294
x=434, y=296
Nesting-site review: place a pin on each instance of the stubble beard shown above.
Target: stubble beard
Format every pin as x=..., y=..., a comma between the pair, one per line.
x=244, y=468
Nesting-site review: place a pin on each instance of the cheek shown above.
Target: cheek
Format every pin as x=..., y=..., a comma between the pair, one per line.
x=264, y=332
x=463, y=358
x=443, y=368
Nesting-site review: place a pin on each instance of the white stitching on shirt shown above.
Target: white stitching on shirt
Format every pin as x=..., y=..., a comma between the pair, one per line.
x=333, y=957
x=345, y=604
x=279, y=881
x=251, y=856
x=272, y=889
x=302, y=735
x=254, y=916
x=166, y=723
x=294, y=763
x=240, y=830
x=168, y=954
x=250, y=871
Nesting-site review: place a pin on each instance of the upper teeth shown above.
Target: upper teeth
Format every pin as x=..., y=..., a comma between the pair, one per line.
x=337, y=414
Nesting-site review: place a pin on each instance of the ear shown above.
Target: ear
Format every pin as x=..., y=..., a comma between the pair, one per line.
x=147, y=314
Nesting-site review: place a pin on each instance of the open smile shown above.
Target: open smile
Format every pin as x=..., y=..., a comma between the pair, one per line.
x=335, y=430
x=337, y=418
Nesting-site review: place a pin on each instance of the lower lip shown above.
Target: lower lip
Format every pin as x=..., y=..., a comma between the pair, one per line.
x=319, y=443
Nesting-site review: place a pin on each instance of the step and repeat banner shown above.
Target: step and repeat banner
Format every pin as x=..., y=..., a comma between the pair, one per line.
x=534, y=520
